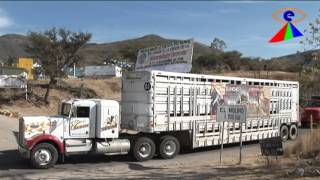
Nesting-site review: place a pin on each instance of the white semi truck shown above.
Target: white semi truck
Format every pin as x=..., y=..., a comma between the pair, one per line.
x=161, y=112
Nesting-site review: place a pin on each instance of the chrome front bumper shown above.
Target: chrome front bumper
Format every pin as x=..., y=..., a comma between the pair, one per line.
x=25, y=153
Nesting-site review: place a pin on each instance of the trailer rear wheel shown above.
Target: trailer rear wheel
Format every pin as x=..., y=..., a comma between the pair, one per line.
x=169, y=147
x=293, y=132
x=144, y=149
x=44, y=156
x=284, y=133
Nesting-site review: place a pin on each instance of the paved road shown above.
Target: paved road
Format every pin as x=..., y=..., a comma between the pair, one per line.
x=8, y=126
x=97, y=166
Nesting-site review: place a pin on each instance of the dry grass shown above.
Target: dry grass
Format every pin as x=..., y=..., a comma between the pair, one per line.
x=109, y=88
x=307, y=146
x=278, y=75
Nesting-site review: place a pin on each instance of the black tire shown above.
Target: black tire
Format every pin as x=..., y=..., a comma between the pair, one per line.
x=44, y=156
x=284, y=133
x=169, y=147
x=293, y=131
x=144, y=149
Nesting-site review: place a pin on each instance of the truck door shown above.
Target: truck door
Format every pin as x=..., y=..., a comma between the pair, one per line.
x=79, y=125
x=110, y=123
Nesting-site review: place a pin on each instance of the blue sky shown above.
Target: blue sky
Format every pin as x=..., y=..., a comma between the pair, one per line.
x=244, y=26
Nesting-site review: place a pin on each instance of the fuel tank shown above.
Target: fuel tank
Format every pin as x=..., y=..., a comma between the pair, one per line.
x=113, y=147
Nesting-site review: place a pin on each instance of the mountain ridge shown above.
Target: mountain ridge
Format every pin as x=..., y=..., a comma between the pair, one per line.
x=13, y=46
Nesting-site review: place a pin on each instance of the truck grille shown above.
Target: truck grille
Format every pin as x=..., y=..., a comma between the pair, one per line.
x=21, y=131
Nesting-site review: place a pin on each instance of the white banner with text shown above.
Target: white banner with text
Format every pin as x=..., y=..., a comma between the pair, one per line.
x=175, y=57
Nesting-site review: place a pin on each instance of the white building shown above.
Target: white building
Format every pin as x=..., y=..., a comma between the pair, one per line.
x=113, y=71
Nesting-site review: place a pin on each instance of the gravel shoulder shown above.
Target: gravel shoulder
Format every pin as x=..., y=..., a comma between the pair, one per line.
x=197, y=164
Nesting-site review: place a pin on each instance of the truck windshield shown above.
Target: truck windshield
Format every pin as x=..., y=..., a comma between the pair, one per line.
x=313, y=104
x=65, y=109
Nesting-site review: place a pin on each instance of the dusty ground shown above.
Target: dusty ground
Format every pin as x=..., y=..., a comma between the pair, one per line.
x=104, y=88
x=196, y=164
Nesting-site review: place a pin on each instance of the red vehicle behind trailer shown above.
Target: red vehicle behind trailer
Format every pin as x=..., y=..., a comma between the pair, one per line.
x=311, y=109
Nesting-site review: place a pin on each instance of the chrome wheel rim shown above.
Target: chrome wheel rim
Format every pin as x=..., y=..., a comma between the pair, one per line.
x=43, y=157
x=145, y=150
x=170, y=148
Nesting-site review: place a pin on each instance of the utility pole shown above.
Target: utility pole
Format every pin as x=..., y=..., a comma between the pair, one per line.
x=74, y=70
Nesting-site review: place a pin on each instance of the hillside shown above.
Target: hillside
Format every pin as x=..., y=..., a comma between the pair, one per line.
x=291, y=62
x=12, y=45
x=13, y=100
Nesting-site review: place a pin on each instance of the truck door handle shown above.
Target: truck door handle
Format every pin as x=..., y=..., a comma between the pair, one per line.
x=86, y=132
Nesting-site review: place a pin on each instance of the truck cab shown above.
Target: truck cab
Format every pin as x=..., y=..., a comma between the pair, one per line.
x=81, y=127
x=90, y=119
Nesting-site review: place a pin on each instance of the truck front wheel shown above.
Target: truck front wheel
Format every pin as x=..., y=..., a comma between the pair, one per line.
x=44, y=156
x=169, y=147
x=144, y=149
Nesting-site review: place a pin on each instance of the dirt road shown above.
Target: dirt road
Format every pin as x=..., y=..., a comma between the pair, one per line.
x=198, y=164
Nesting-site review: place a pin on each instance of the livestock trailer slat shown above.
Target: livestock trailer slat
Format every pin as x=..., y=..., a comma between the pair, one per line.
x=181, y=101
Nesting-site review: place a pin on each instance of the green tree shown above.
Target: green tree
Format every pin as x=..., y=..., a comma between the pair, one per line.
x=312, y=42
x=232, y=59
x=311, y=61
x=11, y=61
x=312, y=35
x=56, y=49
x=129, y=53
x=218, y=44
x=210, y=62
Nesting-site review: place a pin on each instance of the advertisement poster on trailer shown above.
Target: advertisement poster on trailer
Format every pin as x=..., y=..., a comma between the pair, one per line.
x=256, y=99
x=174, y=57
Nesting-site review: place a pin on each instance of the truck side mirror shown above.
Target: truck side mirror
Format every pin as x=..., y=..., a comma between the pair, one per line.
x=72, y=111
x=59, y=108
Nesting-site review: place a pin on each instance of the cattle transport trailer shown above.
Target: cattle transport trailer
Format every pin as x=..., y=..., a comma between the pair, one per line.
x=161, y=112
x=184, y=106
